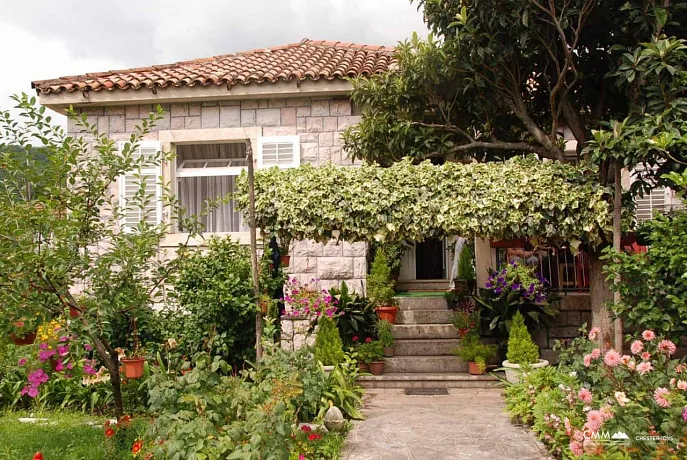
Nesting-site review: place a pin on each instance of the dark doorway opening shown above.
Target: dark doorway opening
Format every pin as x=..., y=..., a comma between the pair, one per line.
x=429, y=260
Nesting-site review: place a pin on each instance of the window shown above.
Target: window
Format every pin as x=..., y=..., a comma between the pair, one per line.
x=282, y=151
x=140, y=191
x=207, y=172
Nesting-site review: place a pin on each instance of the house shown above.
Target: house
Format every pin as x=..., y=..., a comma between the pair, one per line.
x=290, y=102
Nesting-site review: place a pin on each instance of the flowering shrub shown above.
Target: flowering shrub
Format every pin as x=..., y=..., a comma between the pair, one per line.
x=466, y=316
x=596, y=393
x=520, y=279
x=303, y=300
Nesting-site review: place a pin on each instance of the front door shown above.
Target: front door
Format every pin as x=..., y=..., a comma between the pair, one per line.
x=430, y=262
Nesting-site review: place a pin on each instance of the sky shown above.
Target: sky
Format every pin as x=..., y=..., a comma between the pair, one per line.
x=45, y=39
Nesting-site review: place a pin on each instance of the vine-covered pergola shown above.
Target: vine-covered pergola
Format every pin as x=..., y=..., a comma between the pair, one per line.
x=518, y=198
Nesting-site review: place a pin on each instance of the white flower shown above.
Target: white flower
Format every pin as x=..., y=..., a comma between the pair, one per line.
x=573, y=374
x=621, y=398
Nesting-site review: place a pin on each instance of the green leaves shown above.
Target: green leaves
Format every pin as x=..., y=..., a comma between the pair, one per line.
x=521, y=197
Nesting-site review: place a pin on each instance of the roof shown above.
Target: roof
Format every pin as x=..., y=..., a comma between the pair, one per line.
x=309, y=59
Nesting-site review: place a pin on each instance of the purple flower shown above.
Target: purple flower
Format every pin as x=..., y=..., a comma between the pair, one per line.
x=489, y=285
x=531, y=289
x=498, y=290
x=89, y=370
x=43, y=356
x=501, y=279
x=515, y=287
x=21, y=362
x=38, y=376
x=63, y=350
x=43, y=346
x=59, y=367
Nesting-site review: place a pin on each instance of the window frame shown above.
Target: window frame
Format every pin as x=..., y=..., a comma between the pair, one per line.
x=157, y=173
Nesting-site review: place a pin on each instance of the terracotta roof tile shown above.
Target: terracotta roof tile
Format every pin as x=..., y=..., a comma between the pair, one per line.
x=309, y=59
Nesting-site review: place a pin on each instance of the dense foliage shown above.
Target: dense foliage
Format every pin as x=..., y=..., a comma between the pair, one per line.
x=214, y=290
x=380, y=284
x=521, y=348
x=328, y=344
x=516, y=198
x=357, y=316
x=595, y=393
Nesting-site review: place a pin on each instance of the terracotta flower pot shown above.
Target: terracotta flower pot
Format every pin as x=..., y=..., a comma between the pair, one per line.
x=389, y=352
x=285, y=260
x=26, y=339
x=474, y=369
x=462, y=332
x=387, y=314
x=377, y=367
x=133, y=367
x=364, y=367
x=264, y=306
x=74, y=313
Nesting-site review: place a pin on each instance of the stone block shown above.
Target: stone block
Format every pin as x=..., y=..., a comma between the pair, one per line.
x=288, y=116
x=340, y=107
x=192, y=123
x=268, y=117
x=338, y=138
x=573, y=318
x=309, y=138
x=93, y=110
x=336, y=155
x=324, y=155
x=179, y=110
x=208, y=104
x=144, y=110
x=103, y=125
x=335, y=268
x=277, y=103
x=231, y=103
x=194, y=109
x=314, y=124
x=332, y=249
x=303, y=111
x=330, y=123
x=359, y=267
x=247, y=117
x=357, y=249
x=131, y=124
x=329, y=284
x=163, y=123
x=178, y=123
x=131, y=112
x=580, y=302
x=209, y=117
x=320, y=108
x=325, y=139
x=263, y=104
x=309, y=153
x=249, y=104
x=229, y=117
x=115, y=110
x=303, y=264
x=298, y=102
x=279, y=131
x=117, y=123
x=307, y=248
x=300, y=124
x=346, y=121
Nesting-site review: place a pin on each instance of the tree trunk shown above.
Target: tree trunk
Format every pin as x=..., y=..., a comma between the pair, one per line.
x=601, y=295
x=617, y=231
x=112, y=364
x=254, y=250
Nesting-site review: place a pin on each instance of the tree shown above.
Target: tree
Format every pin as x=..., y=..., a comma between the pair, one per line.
x=61, y=235
x=503, y=78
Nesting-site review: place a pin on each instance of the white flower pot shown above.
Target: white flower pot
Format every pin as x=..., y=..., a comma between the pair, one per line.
x=328, y=370
x=514, y=372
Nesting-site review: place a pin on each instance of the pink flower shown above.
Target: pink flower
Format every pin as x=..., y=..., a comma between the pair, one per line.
x=585, y=396
x=63, y=350
x=587, y=360
x=684, y=414
x=576, y=448
x=59, y=367
x=606, y=412
x=646, y=356
x=631, y=365
x=660, y=397
x=43, y=356
x=636, y=347
x=596, y=353
x=667, y=346
x=644, y=367
x=368, y=340
x=21, y=362
x=612, y=358
x=33, y=392
x=648, y=335
x=625, y=359
x=87, y=347
x=70, y=366
x=594, y=420
x=594, y=333
x=681, y=385
x=301, y=457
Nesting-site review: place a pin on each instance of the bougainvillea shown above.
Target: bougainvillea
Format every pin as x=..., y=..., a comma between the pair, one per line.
x=521, y=197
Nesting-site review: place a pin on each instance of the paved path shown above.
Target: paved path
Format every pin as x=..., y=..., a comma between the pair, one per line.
x=466, y=424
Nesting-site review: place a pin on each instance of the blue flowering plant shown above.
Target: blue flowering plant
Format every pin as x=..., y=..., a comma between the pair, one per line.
x=516, y=287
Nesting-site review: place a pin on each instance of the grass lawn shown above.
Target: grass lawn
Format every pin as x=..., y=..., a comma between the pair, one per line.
x=64, y=435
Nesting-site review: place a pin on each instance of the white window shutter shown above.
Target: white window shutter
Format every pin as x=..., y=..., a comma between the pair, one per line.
x=130, y=184
x=281, y=151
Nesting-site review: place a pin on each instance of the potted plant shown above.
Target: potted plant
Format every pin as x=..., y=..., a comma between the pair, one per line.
x=328, y=344
x=385, y=334
x=264, y=302
x=523, y=353
x=380, y=288
x=466, y=319
x=475, y=353
x=133, y=365
x=466, y=267
x=24, y=331
x=284, y=245
x=372, y=353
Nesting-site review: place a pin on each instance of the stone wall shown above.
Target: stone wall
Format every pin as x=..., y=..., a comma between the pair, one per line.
x=575, y=310
x=319, y=123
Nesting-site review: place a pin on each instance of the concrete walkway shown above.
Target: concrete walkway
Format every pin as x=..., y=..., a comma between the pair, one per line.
x=466, y=424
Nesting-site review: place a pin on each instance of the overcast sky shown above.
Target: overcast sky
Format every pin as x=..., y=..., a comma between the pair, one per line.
x=45, y=39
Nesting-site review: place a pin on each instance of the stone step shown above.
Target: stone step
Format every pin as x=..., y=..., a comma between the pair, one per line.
x=428, y=380
x=424, y=317
x=425, y=331
x=424, y=364
x=421, y=303
x=425, y=347
x=422, y=285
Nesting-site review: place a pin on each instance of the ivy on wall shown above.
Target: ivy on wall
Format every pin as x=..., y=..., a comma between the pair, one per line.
x=521, y=197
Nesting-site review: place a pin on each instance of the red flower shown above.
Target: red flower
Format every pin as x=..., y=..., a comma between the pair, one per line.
x=314, y=437
x=355, y=338
x=306, y=428
x=136, y=448
x=368, y=340
x=109, y=432
x=124, y=421
x=38, y=456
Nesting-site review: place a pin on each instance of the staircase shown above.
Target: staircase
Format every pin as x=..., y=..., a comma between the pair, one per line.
x=422, y=358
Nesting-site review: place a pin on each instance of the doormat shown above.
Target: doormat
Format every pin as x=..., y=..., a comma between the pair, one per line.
x=426, y=391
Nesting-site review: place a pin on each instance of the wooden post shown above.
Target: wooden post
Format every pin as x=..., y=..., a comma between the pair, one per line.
x=254, y=249
x=617, y=231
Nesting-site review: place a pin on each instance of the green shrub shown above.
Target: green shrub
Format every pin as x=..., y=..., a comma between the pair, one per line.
x=466, y=264
x=328, y=345
x=371, y=351
x=215, y=292
x=472, y=350
x=385, y=333
x=380, y=285
x=342, y=390
x=356, y=316
x=521, y=348
x=393, y=252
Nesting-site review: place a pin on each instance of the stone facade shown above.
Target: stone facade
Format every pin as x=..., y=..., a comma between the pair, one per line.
x=575, y=310
x=317, y=121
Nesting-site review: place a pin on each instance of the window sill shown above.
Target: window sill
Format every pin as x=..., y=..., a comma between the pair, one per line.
x=175, y=239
